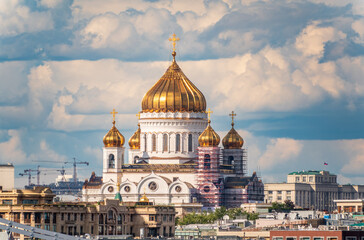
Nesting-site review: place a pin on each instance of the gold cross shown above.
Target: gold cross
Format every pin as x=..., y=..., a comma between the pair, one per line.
x=209, y=114
x=232, y=115
x=174, y=40
x=113, y=114
x=138, y=115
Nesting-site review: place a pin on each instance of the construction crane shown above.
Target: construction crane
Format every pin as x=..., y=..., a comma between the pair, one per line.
x=28, y=172
x=74, y=168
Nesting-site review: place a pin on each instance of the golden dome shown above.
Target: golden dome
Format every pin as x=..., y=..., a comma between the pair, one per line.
x=134, y=141
x=174, y=92
x=144, y=198
x=209, y=138
x=232, y=140
x=114, y=138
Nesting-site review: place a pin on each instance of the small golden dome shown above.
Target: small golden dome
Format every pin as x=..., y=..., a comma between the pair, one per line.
x=209, y=138
x=232, y=140
x=144, y=198
x=174, y=92
x=114, y=138
x=134, y=141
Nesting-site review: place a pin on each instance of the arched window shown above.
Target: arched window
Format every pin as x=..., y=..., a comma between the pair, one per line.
x=165, y=143
x=207, y=162
x=154, y=143
x=136, y=159
x=110, y=214
x=111, y=161
x=178, y=143
x=190, y=142
x=230, y=160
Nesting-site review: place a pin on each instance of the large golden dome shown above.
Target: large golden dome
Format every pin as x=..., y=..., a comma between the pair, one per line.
x=209, y=138
x=134, y=141
x=232, y=140
x=114, y=138
x=174, y=92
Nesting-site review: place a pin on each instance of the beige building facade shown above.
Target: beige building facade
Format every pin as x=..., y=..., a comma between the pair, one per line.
x=311, y=190
x=6, y=176
x=109, y=217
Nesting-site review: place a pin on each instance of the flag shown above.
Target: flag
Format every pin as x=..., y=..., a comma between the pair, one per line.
x=325, y=163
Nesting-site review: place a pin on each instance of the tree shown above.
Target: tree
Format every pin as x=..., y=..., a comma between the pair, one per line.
x=289, y=204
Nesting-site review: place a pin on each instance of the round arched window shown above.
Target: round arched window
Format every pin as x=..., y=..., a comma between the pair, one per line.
x=127, y=189
x=110, y=189
x=206, y=189
x=178, y=189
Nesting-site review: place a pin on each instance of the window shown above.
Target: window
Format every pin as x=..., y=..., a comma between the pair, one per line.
x=335, y=238
x=110, y=214
x=279, y=192
x=8, y=202
x=277, y=238
x=30, y=201
x=288, y=192
x=289, y=198
x=154, y=143
x=310, y=179
x=152, y=218
x=297, y=179
x=230, y=160
x=318, y=238
x=207, y=162
x=111, y=161
x=165, y=143
x=270, y=192
x=290, y=238
x=304, y=238
x=304, y=179
x=279, y=198
x=190, y=142
x=350, y=238
x=178, y=143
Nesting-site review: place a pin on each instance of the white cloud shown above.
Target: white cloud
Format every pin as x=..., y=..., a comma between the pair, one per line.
x=279, y=151
x=16, y=18
x=47, y=154
x=12, y=150
x=358, y=27
x=312, y=39
x=355, y=163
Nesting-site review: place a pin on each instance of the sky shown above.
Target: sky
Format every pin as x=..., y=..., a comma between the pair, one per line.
x=291, y=70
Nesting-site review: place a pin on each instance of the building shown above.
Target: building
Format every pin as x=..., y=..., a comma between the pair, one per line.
x=109, y=217
x=37, y=195
x=6, y=176
x=316, y=235
x=311, y=190
x=174, y=155
x=350, y=206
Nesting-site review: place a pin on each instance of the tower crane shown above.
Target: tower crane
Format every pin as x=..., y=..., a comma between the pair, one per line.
x=74, y=163
x=74, y=167
x=28, y=172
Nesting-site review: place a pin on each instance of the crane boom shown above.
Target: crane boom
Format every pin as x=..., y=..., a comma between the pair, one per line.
x=75, y=166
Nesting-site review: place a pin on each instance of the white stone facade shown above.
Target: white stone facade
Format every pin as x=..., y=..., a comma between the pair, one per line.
x=170, y=136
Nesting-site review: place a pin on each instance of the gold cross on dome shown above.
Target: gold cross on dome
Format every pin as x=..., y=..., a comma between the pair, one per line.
x=209, y=113
x=232, y=115
x=113, y=114
x=138, y=115
x=173, y=40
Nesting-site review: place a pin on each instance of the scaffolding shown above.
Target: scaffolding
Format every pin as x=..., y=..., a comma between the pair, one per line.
x=209, y=182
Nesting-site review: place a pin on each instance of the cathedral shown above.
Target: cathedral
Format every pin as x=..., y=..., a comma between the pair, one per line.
x=174, y=155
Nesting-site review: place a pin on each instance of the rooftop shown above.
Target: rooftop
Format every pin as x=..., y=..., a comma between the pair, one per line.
x=308, y=172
